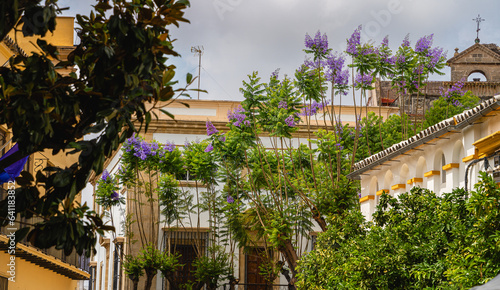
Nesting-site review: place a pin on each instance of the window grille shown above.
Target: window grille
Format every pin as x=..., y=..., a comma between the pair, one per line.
x=190, y=245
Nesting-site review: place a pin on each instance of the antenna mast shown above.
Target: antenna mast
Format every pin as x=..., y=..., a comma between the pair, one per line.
x=197, y=50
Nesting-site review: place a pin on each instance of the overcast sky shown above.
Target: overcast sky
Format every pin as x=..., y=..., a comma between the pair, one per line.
x=242, y=36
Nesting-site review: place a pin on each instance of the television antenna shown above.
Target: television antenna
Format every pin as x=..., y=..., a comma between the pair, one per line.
x=198, y=51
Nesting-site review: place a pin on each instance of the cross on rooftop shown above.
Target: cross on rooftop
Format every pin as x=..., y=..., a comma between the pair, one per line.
x=478, y=19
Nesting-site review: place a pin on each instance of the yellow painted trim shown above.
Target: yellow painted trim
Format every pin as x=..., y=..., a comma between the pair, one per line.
x=487, y=145
x=52, y=260
x=450, y=166
x=431, y=173
x=469, y=158
x=415, y=180
x=365, y=198
x=382, y=191
x=398, y=186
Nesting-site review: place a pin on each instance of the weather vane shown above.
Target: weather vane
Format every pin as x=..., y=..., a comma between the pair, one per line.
x=478, y=19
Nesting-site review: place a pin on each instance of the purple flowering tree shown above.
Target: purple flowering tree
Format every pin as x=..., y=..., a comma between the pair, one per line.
x=154, y=175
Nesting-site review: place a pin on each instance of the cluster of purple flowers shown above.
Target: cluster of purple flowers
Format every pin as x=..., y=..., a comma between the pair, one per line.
x=115, y=196
x=313, y=65
x=385, y=41
x=169, y=146
x=368, y=49
x=363, y=80
x=140, y=148
x=424, y=43
x=209, y=148
x=354, y=42
x=143, y=149
x=340, y=129
x=211, y=128
x=282, y=105
x=230, y=199
x=334, y=72
x=290, y=121
x=312, y=109
x=222, y=138
x=319, y=43
x=275, y=74
x=105, y=175
x=418, y=70
x=406, y=41
x=239, y=115
x=455, y=90
x=435, y=55
x=400, y=59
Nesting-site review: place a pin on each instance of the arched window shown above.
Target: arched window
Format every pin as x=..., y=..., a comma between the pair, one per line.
x=477, y=76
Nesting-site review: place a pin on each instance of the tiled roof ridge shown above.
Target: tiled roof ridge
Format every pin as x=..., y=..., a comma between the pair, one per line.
x=460, y=120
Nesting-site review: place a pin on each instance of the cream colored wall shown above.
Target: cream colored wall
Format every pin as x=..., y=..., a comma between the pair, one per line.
x=29, y=276
x=216, y=111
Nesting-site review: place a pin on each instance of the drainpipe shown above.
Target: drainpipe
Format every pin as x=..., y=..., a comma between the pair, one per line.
x=486, y=165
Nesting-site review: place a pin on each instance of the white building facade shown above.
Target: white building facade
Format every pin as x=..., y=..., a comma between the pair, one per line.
x=442, y=157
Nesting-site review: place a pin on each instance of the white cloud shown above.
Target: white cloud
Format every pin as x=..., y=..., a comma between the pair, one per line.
x=242, y=36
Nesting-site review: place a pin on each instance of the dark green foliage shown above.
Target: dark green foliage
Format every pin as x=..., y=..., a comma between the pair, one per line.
x=444, y=108
x=418, y=241
x=123, y=64
x=213, y=268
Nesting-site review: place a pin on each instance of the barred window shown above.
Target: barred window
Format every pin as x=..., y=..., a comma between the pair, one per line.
x=190, y=245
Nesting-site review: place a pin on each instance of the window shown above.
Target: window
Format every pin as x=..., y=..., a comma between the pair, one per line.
x=117, y=267
x=92, y=279
x=4, y=283
x=253, y=260
x=190, y=245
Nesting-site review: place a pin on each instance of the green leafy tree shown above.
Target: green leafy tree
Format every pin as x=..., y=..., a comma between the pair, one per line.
x=123, y=72
x=418, y=241
x=452, y=102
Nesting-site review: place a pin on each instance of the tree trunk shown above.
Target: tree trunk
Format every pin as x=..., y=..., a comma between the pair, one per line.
x=170, y=279
x=135, y=284
x=199, y=286
x=149, y=279
x=291, y=258
x=319, y=219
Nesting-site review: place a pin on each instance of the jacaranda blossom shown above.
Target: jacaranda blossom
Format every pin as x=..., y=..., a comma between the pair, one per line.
x=209, y=148
x=424, y=43
x=105, y=175
x=406, y=41
x=211, y=128
x=363, y=80
x=354, y=42
x=115, y=196
x=290, y=121
x=319, y=43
